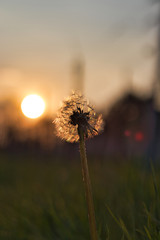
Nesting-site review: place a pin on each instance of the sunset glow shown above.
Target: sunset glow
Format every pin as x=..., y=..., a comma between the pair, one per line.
x=33, y=106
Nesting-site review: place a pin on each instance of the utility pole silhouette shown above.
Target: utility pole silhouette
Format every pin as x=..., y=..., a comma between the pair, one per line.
x=156, y=100
x=78, y=75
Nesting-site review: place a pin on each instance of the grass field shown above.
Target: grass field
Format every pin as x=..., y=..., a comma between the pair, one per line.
x=43, y=199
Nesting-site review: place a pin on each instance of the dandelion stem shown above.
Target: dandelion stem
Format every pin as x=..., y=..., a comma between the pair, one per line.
x=87, y=185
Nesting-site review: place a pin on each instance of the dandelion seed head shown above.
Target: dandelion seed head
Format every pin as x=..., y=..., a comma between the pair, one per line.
x=76, y=112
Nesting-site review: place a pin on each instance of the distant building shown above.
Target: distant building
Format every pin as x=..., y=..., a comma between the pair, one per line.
x=129, y=130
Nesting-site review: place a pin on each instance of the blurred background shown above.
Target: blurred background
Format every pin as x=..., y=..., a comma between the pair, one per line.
x=110, y=51
x=107, y=50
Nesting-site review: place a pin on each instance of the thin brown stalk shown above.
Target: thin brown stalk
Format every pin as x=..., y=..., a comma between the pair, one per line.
x=87, y=185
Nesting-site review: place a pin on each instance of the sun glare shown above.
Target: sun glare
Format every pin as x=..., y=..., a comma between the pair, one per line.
x=33, y=106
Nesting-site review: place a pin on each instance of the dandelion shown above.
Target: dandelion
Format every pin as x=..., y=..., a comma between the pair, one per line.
x=77, y=121
x=75, y=113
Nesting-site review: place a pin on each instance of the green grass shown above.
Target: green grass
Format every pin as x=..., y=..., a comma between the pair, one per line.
x=43, y=199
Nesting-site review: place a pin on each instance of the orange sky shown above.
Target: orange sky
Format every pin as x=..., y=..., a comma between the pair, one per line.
x=40, y=40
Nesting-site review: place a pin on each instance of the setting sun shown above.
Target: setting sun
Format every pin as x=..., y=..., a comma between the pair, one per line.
x=33, y=106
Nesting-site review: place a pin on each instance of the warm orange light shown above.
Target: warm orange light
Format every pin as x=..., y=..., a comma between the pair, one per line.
x=33, y=106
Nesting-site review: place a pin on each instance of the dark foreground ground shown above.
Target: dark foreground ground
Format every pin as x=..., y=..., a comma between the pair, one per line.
x=42, y=198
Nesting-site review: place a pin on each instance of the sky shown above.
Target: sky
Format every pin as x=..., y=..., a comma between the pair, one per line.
x=40, y=40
